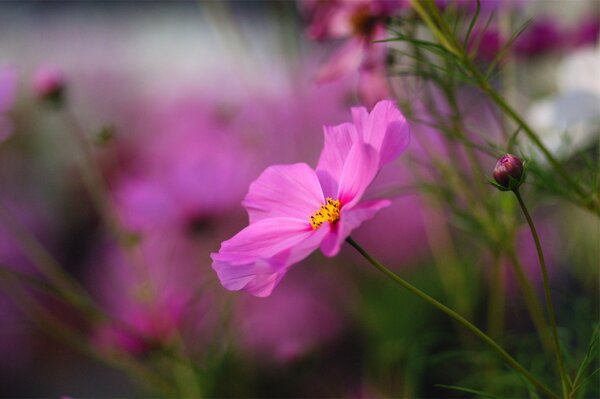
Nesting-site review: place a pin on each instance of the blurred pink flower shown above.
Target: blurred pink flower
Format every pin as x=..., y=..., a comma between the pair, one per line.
x=8, y=90
x=542, y=37
x=186, y=165
x=292, y=322
x=485, y=43
x=586, y=33
x=48, y=82
x=294, y=209
x=362, y=22
x=152, y=295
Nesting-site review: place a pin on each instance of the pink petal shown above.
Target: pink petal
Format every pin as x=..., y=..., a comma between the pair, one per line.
x=284, y=191
x=261, y=276
x=359, y=170
x=360, y=115
x=343, y=62
x=385, y=129
x=338, y=141
x=264, y=239
x=258, y=278
x=350, y=219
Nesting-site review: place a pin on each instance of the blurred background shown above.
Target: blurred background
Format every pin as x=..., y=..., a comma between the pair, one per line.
x=129, y=133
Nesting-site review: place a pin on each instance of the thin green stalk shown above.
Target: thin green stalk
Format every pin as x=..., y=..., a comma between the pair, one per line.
x=61, y=331
x=531, y=301
x=93, y=179
x=430, y=14
x=44, y=262
x=548, y=297
x=496, y=307
x=452, y=314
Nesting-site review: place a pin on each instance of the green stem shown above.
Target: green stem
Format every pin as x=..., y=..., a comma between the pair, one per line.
x=496, y=301
x=430, y=14
x=452, y=314
x=550, y=308
x=73, y=293
x=531, y=301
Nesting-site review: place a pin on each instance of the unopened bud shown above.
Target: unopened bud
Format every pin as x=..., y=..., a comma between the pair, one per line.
x=48, y=84
x=509, y=172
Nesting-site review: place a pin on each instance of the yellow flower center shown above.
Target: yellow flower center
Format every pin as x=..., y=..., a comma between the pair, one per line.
x=328, y=212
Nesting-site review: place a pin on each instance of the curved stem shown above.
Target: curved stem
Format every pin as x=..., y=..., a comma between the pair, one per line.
x=548, y=297
x=452, y=314
x=430, y=14
x=534, y=306
x=496, y=307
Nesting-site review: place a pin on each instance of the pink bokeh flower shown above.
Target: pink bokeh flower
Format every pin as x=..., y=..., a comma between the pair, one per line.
x=48, y=83
x=294, y=209
x=486, y=43
x=361, y=22
x=542, y=37
x=295, y=321
x=586, y=32
x=151, y=297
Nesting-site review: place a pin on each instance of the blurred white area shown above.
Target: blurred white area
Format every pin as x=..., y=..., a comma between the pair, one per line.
x=570, y=120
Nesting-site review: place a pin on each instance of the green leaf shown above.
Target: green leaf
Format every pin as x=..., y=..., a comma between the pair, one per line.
x=467, y=390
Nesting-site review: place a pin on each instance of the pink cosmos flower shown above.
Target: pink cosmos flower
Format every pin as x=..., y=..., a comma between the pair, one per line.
x=294, y=209
x=362, y=22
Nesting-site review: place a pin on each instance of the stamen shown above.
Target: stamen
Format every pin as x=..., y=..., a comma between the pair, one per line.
x=328, y=212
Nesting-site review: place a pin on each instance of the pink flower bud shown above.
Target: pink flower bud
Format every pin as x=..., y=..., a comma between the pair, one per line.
x=508, y=172
x=48, y=83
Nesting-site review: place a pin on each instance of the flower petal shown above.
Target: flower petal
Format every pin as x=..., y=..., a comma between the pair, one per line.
x=259, y=277
x=284, y=191
x=350, y=219
x=385, y=128
x=338, y=142
x=264, y=239
x=360, y=169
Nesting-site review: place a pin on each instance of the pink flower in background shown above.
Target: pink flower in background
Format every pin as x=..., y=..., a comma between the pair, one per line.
x=361, y=22
x=152, y=295
x=48, y=82
x=293, y=322
x=485, y=43
x=8, y=89
x=587, y=32
x=186, y=165
x=294, y=209
x=542, y=37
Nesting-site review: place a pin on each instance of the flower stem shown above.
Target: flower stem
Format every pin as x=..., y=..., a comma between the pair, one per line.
x=452, y=314
x=496, y=307
x=430, y=14
x=550, y=308
x=531, y=301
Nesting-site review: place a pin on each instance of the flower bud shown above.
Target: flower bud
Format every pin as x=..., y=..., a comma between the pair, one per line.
x=509, y=172
x=48, y=84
